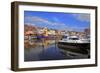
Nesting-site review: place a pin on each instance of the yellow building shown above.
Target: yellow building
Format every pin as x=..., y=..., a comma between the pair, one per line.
x=45, y=30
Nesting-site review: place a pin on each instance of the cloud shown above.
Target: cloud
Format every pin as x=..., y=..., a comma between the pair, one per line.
x=82, y=17
x=41, y=22
x=36, y=19
x=30, y=24
x=56, y=19
x=75, y=28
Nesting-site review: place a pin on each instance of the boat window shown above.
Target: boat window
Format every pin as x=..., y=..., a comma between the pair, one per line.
x=73, y=38
x=64, y=37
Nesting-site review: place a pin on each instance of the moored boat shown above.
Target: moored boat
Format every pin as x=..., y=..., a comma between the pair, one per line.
x=73, y=43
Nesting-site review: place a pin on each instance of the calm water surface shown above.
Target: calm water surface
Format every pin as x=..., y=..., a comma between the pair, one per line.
x=47, y=50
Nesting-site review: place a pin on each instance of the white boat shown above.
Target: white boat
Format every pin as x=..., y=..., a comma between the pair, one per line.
x=73, y=43
x=74, y=39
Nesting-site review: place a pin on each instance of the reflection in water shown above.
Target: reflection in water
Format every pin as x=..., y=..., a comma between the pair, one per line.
x=47, y=50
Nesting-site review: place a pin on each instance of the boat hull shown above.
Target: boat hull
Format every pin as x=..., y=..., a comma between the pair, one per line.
x=75, y=47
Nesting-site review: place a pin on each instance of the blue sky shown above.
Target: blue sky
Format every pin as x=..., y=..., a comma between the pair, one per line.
x=58, y=20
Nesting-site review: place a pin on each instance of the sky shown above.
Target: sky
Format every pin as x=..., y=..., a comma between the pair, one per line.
x=58, y=20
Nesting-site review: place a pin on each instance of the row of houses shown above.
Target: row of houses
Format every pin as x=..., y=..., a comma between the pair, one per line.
x=34, y=31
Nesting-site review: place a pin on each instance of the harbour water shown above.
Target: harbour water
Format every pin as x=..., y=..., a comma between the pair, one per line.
x=48, y=50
